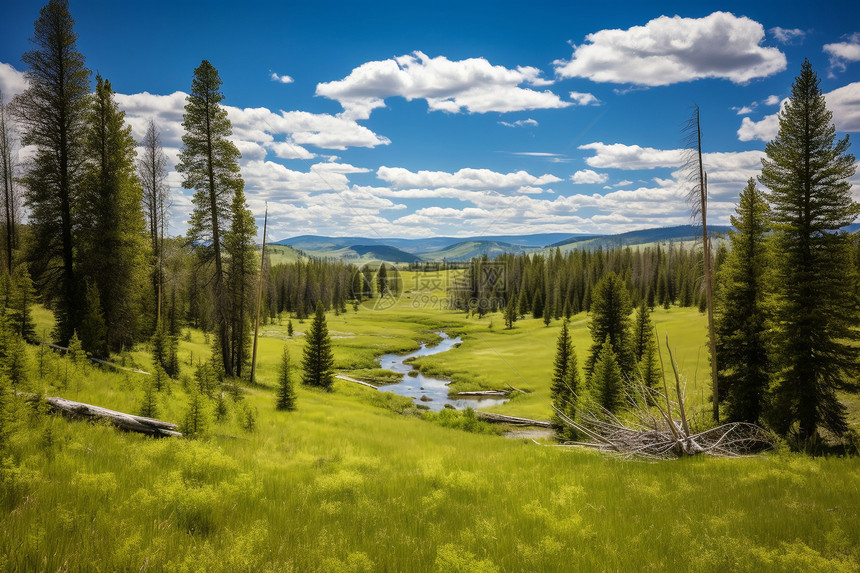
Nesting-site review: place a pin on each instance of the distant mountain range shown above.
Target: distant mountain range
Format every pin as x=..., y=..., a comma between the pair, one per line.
x=456, y=249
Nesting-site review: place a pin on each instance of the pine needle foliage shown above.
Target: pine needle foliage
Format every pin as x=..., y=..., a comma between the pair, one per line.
x=318, y=362
x=807, y=173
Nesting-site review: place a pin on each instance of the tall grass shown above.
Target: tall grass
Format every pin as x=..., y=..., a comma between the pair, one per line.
x=345, y=483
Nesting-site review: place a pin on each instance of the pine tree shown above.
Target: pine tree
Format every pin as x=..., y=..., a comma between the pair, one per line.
x=649, y=364
x=149, y=402
x=23, y=295
x=51, y=113
x=112, y=252
x=240, y=245
x=286, y=391
x=642, y=330
x=195, y=420
x=209, y=164
x=382, y=285
x=318, y=362
x=93, y=328
x=564, y=389
x=606, y=379
x=610, y=318
x=511, y=312
x=290, y=328
x=740, y=311
x=808, y=176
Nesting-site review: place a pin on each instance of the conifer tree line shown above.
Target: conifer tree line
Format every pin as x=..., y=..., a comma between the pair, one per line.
x=558, y=285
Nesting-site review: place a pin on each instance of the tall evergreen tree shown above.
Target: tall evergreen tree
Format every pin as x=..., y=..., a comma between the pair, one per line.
x=111, y=249
x=318, y=362
x=610, y=318
x=642, y=330
x=209, y=164
x=807, y=173
x=286, y=391
x=240, y=245
x=740, y=311
x=52, y=113
x=565, y=385
x=649, y=364
x=511, y=311
x=606, y=379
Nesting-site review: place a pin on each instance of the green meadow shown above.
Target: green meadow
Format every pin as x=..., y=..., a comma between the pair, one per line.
x=357, y=480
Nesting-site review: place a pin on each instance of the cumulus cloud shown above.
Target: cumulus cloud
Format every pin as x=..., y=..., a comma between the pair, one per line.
x=843, y=53
x=520, y=123
x=621, y=156
x=745, y=110
x=787, y=36
x=671, y=50
x=284, y=79
x=12, y=82
x=727, y=171
x=467, y=178
x=584, y=98
x=772, y=100
x=844, y=102
x=473, y=85
x=585, y=176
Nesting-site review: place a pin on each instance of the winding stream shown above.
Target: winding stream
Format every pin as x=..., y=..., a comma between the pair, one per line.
x=437, y=390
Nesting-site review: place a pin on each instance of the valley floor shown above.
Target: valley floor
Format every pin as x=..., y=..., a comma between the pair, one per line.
x=356, y=480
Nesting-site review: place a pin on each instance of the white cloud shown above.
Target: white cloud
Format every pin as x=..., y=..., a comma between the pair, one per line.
x=284, y=79
x=621, y=156
x=745, y=110
x=844, y=102
x=584, y=98
x=843, y=53
x=772, y=100
x=535, y=153
x=520, y=123
x=787, y=36
x=12, y=82
x=672, y=50
x=585, y=176
x=467, y=178
x=473, y=84
x=763, y=130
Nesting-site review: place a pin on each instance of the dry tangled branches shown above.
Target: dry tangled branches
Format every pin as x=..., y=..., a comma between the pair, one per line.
x=656, y=434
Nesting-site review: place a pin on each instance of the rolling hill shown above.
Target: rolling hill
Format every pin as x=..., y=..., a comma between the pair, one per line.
x=364, y=249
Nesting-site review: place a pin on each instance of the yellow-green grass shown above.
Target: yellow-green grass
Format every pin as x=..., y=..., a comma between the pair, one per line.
x=344, y=485
x=490, y=357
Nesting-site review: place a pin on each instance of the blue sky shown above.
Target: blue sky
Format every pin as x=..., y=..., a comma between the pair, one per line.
x=456, y=118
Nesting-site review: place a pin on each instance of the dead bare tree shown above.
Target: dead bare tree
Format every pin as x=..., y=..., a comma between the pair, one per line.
x=7, y=178
x=698, y=199
x=152, y=170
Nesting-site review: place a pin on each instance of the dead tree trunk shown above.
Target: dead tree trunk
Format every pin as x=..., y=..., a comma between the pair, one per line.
x=129, y=422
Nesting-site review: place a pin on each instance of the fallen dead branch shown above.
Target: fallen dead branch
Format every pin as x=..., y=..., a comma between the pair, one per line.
x=502, y=419
x=129, y=422
x=659, y=435
x=349, y=379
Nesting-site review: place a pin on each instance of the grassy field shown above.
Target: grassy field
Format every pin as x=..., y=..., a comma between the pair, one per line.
x=349, y=483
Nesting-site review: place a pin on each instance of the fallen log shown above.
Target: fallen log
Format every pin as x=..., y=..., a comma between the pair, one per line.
x=129, y=422
x=483, y=393
x=502, y=419
x=348, y=379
